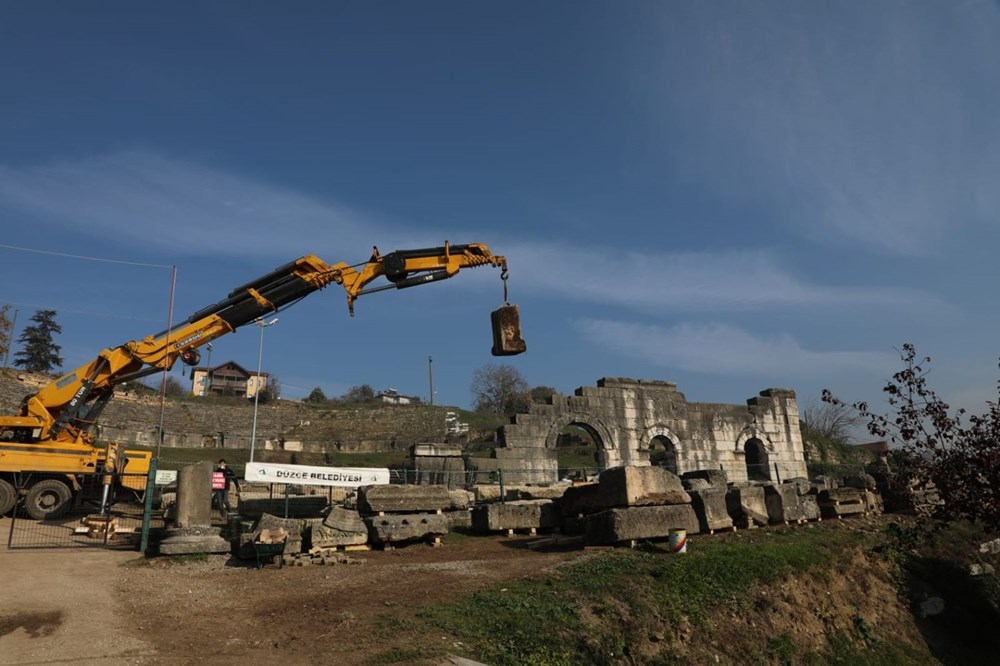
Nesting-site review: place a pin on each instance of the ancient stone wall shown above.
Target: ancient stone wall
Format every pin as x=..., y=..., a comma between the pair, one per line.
x=134, y=420
x=625, y=417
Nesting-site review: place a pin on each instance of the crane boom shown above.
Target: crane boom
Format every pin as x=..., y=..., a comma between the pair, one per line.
x=63, y=412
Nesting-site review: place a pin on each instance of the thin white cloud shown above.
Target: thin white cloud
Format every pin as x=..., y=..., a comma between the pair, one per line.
x=180, y=207
x=193, y=210
x=736, y=280
x=724, y=350
x=874, y=122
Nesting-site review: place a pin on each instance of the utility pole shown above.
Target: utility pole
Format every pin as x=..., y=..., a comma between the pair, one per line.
x=430, y=377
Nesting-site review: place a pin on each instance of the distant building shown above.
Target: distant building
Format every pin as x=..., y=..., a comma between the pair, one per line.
x=229, y=378
x=391, y=396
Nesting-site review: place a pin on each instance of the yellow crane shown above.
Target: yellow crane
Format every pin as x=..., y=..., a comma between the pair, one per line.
x=49, y=444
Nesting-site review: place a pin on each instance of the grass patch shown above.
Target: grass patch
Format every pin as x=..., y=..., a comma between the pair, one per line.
x=400, y=655
x=595, y=610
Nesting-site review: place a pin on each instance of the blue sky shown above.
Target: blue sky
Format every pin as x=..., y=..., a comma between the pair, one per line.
x=729, y=195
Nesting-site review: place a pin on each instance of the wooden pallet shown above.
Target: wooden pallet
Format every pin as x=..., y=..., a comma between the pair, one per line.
x=330, y=550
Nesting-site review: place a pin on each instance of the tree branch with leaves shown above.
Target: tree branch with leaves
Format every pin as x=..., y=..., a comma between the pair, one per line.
x=936, y=443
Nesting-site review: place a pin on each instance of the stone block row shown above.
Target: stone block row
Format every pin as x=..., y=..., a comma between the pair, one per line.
x=374, y=500
x=518, y=515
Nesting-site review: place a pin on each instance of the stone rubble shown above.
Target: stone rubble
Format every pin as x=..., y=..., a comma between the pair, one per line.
x=710, y=508
x=373, y=500
x=520, y=515
x=394, y=528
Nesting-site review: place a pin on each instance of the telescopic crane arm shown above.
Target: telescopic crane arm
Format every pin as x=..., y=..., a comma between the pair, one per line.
x=64, y=409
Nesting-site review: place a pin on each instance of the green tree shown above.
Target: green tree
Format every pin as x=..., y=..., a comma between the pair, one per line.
x=936, y=444
x=359, y=394
x=39, y=353
x=316, y=396
x=542, y=394
x=499, y=389
x=173, y=388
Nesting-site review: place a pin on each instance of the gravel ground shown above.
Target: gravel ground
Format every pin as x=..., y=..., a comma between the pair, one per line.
x=112, y=607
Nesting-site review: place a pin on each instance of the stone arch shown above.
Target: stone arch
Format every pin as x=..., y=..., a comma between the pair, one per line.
x=758, y=465
x=598, y=431
x=661, y=440
x=753, y=433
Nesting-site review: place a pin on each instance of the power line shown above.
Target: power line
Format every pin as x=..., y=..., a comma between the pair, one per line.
x=81, y=312
x=81, y=256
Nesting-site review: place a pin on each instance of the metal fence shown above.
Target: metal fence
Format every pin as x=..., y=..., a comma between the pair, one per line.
x=124, y=523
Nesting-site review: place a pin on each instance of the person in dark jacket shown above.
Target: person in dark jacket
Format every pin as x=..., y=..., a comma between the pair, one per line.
x=222, y=495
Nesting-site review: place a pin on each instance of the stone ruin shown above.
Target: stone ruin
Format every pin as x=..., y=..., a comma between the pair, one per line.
x=629, y=418
x=625, y=505
x=708, y=455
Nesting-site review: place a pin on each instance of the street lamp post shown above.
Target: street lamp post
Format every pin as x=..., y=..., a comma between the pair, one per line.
x=256, y=394
x=207, y=389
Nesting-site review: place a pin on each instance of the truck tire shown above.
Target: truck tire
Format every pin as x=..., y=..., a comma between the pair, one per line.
x=8, y=497
x=50, y=498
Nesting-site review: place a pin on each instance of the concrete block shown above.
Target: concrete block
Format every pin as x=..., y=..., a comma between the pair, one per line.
x=645, y=522
x=519, y=515
x=459, y=520
x=406, y=527
x=810, y=507
x=838, y=510
x=402, y=498
x=550, y=491
x=625, y=486
x=782, y=501
x=746, y=506
x=460, y=499
x=802, y=486
x=437, y=450
x=840, y=495
x=194, y=495
x=444, y=471
x=710, y=508
x=582, y=499
x=716, y=477
x=695, y=484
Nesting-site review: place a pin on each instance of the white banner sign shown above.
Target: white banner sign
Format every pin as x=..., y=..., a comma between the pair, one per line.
x=351, y=477
x=164, y=477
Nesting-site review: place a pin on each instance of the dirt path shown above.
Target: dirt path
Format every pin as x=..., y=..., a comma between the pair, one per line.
x=59, y=607
x=110, y=607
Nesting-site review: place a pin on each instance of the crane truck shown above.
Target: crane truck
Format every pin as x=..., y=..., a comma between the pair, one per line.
x=49, y=448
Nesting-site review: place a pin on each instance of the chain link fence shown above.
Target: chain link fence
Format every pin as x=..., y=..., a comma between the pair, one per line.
x=63, y=511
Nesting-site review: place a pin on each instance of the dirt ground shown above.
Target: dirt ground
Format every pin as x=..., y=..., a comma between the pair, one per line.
x=109, y=607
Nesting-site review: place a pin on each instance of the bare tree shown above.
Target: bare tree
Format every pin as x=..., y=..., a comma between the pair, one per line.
x=831, y=421
x=6, y=327
x=499, y=389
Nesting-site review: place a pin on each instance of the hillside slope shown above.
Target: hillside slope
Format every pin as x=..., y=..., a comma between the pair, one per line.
x=134, y=420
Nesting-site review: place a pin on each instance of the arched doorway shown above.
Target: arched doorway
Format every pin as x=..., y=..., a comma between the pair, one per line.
x=579, y=451
x=758, y=468
x=663, y=453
